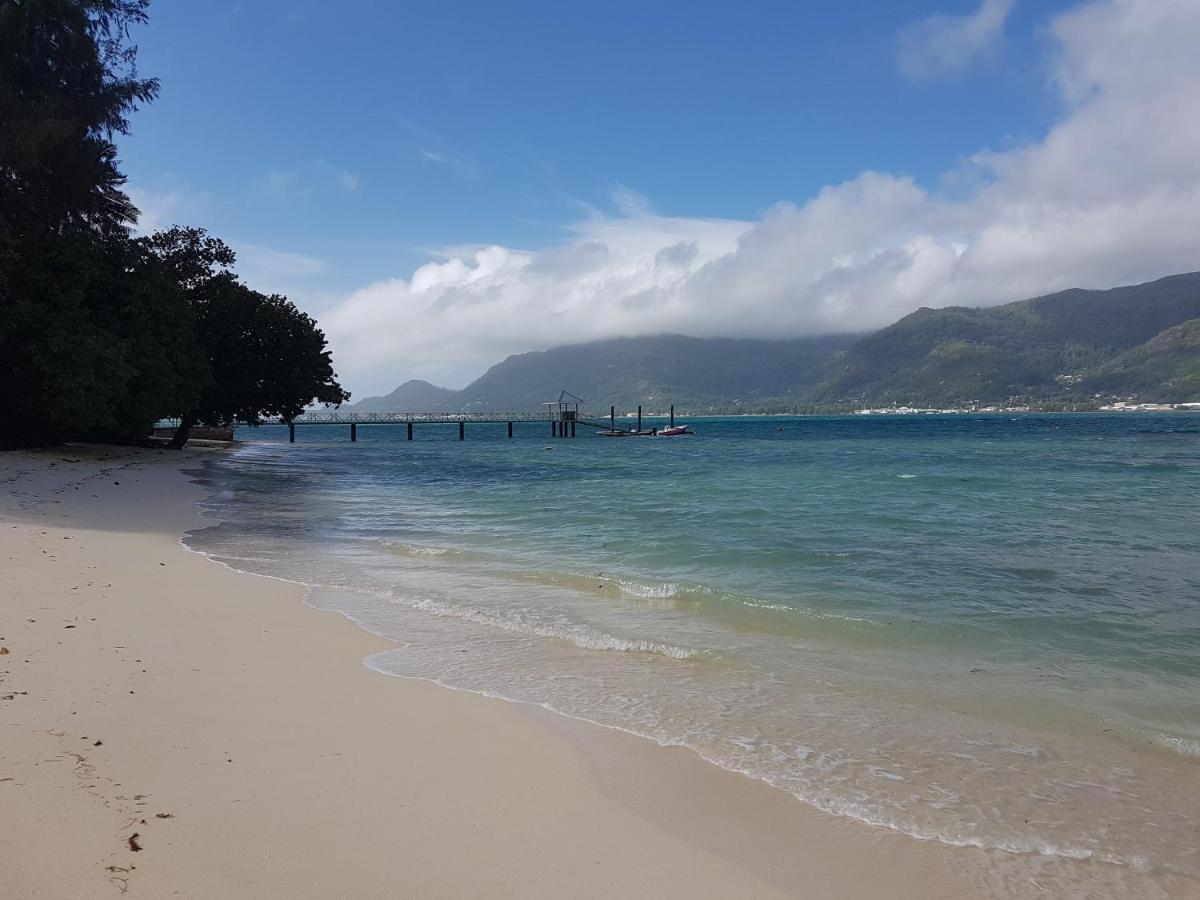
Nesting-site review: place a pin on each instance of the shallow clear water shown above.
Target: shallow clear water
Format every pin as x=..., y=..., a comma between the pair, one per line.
x=978, y=629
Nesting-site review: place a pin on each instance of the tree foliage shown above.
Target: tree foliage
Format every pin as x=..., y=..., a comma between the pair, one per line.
x=78, y=300
x=1166, y=368
x=266, y=357
x=260, y=355
x=97, y=340
x=102, y=334
x=68, y=82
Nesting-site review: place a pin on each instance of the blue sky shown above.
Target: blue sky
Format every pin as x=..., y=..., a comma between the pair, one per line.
x=341, y=147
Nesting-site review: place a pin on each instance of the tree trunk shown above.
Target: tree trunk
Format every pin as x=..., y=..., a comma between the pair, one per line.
x=183, y=432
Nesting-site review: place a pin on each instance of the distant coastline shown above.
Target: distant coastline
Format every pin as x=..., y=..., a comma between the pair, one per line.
x=1120, y=406
x=906, y=410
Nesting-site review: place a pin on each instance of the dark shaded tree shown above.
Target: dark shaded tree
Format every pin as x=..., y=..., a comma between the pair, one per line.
x=98, y=341
x=260, y=355
x=75, y=315
x=191, y=255
x=102, y=334
x=265, y=358
x=169, y=370
x=68, y=82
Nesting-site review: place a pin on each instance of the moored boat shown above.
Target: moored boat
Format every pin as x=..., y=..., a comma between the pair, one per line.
x=675, y=431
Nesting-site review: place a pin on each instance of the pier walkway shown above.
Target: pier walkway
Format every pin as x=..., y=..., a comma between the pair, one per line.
x=562, y=421
x=353, y=420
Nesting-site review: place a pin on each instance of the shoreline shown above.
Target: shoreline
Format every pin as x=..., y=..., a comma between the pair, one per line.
x=282, y=765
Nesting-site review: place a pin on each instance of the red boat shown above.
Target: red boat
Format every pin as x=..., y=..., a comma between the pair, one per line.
x=675, y=431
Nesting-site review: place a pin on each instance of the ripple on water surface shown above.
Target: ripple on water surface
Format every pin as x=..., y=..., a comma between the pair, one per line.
x=976, y=632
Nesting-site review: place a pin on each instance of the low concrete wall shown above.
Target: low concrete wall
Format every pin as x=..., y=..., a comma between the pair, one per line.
x=199, y=433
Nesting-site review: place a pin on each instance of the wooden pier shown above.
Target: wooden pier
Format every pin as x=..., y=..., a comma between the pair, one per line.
x=408, y=420
x=562, y=417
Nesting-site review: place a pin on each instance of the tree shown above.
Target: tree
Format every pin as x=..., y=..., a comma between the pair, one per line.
x=266, y=358
x=102, y=334
x=261, y=356
x=98, y=340
x=68, y=81
x=169, y=370
x=73, y=312
x=191, y=255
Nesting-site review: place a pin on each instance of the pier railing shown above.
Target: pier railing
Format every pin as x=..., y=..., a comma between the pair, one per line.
x=562, y=422
x=411, y=419
x=335, y=418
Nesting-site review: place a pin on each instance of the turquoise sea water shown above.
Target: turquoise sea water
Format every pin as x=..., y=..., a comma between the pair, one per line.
x=983, y=630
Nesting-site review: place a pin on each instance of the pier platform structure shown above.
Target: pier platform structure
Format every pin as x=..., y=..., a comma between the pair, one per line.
x=563, y=417
x=409, y=420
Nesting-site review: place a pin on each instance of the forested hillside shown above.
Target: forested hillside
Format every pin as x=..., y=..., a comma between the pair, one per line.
x=694, y=373
x=1039, y=349
x=1075, y=347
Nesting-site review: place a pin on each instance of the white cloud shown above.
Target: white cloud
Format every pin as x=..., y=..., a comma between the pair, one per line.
x=435, y=147
x=303, y=180
x=942, y=44
x=463, y=165
x=179, y=205
x=630, y=202
x=1110, y=195
x=166, y=205
x=264, y=261
x=456, y=315
x=299, y=276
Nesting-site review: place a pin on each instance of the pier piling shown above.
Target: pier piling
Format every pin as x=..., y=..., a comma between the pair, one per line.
x=562, y=414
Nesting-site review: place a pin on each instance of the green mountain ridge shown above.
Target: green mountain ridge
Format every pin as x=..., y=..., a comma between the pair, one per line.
x=698, y=374
x=1075, y=347
x=1033, y=350
x=1166, y=367
x=412, y=396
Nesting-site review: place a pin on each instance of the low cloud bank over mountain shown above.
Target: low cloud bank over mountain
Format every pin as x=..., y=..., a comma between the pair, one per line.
x=1109, y=195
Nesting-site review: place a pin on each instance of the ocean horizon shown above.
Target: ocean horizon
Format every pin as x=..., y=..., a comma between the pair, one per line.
x=982, y=630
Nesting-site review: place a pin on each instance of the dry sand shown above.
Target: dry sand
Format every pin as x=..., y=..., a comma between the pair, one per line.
x=154, y=698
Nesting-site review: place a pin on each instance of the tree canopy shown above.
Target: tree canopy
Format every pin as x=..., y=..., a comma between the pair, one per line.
x=68, y=83
x=266, y=357
x=102, y=333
